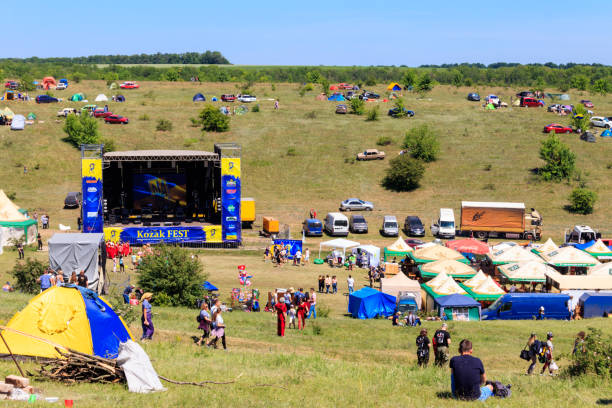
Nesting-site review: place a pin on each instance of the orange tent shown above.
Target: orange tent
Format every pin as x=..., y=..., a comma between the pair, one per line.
x=333, y=88
x=48, y=82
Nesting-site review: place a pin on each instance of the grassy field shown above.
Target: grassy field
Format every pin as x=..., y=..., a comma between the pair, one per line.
x=347, y=362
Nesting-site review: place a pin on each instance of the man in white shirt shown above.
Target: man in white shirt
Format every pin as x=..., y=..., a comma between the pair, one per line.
x=351, y=284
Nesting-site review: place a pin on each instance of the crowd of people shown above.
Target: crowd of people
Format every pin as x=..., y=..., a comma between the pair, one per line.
x=281, y=255
x=52, y=278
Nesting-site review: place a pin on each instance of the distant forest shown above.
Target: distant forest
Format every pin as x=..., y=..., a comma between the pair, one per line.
x=592, y=77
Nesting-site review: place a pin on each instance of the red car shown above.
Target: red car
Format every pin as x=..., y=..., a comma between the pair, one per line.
x=116, y=119
x=129, y=85
x=11, y=84
x=587, y=103
x=531, y=102
x=99, y=113
x=344, y=85
x=413, y=242
x=228, y=98
x=557, y=128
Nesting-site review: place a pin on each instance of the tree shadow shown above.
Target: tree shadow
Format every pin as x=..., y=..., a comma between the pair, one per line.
x=444, y=394
x=603, y=401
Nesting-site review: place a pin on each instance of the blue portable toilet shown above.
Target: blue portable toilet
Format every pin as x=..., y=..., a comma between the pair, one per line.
x=199, y=98
x=368, y=303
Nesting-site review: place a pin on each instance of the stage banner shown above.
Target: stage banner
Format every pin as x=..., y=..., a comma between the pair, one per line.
x=230, y=199
x=293, y=244
x=213, y=233
x=92, y=207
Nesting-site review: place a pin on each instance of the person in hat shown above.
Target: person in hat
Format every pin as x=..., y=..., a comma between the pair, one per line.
x=281, y=313
x=127, y=292
x=541, y=314
x=442, y=340
x=548, y=356
x=146, y=319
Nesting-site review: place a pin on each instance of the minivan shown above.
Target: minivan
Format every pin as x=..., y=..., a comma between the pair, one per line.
x=521, y=306
x=358, y=224
x=390, y=227
x=413, y=226
x=445, y=227
x=336, y=224
x=312, y=227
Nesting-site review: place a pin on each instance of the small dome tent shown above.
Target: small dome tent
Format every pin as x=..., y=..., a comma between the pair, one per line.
x=394, y=86
x=119, y=98
x=199, y=98
x=77, y=97
x=101, y=98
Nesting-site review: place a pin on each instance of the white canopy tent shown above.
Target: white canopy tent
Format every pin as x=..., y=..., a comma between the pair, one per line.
x=372, y=252
x=338, y=243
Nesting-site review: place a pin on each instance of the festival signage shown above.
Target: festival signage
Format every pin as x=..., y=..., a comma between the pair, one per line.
x=292, y=246
x=92, y=208
x=230, y=199
x=152, y=235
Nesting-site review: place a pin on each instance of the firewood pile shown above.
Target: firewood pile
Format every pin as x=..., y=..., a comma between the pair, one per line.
x=75, y=367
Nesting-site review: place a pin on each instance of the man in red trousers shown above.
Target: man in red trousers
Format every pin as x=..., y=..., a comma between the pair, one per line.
x=281, y=312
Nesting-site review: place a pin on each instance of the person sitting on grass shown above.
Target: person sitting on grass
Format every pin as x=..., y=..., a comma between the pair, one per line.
x=468, y=375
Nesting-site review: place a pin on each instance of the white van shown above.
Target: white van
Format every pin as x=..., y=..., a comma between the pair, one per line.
x=390, y=227
x=445, y=227
x=336, y=224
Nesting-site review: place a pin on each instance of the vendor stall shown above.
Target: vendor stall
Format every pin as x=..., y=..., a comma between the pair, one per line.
x=513, y=254
x=367, y=255
x=569, y=257
x=452, y=268
x=401, y=283
x=340, y=244
x=525, y=272
x=487, y=291
x=399, y=249
x=434, y=253
x=597, y=249
x=457, y=308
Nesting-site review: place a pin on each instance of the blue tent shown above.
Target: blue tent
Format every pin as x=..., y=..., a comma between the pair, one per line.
x=368, y=303
x=209, y=286
x=606, y=133
x=199, y=98
x=120, y=98
x=457, y=307
x=214, y=99
x=338, y=97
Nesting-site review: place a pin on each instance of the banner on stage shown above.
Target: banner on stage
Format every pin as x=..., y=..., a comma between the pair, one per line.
x=152, y=235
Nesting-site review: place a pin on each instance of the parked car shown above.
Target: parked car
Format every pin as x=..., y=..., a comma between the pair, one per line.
x=601, y=121
x=344, y=85
x=116, y=119
x=473, y=96
x=88, y=108
x=355, y=204
x=494, y=99
x=46, y=99
x=336, y=224
x=61, y=86
x=581, y=234
x=557, y=128
x=129, y=85
x=394, y=113
x=66, y=111
x=358, y=224
x=100, y=113
x=371, y=154
x=531, y=102
x=525, y=94
x=312, y=227
x=247, y=98
x=11, y=85
x=72, y=200
x=342, y=108
x=369, y=95
x=586, y=103
x=413, y=242
x=390, y=226
x=413, y=226
x=228, y=97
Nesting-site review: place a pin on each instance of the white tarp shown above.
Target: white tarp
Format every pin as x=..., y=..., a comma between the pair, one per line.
x=139, y=372
x=338, y=243
x=372, y=252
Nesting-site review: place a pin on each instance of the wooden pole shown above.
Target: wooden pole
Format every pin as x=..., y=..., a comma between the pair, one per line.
x=12, y=356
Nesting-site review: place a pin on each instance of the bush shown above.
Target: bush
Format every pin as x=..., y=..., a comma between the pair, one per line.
x=163, y=125
x=357, y=106
x=26, y=273
x=424, y=84
x=373, y=114
x=581, y=119
x=109, y=145
x=292, y=152
x=560, y=161
x=255, y=108
x=384, y=141
x=172, y=276
x=81, y=129
x=422, y=143
x=595, y=359
x=404, y=173
x=401, y=108
x=144, y=116
x=195, y=122
x=371, y=81
x=323, y=311
x=213, y=120
x=311, y=115
x=582, y=200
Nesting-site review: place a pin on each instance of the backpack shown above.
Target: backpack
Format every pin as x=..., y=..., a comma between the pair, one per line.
x=536, y=348
x=500, y=390
x=199, y=317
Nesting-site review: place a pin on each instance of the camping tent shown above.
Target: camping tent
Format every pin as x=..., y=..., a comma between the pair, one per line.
x=548, y=246
x=63, y=81
x=14, y=224
x=451, y=267
x=401, y=283
x=486, y=291
x=435, y=252
x=512, y=255
x=119, y=98
x=77, y=97
x=321, y=97
x=31, y=116
x=398, y=249
x=394, y=86
x=371, y=251
x=198, y=98
x=71, y=317
x=578, y=282
x=368, y=303
x=530, y=271
x=338, y=243
x=569, y=256
x=214, y=99
x=333, y=87
x=9, y=95
x=18, y=122
x=113, y=86
x=78, y=252
x=490, y=106
x=48, y=82
x=597, y=249
x=101, y=98
x=604, y=269
x=606, y=133
x=470, y=246
x=457, y=307
x=338, y=97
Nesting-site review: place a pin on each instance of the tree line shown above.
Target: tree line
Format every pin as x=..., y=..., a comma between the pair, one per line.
x=208, y=57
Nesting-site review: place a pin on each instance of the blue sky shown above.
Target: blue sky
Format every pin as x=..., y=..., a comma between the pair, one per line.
x=333, y=32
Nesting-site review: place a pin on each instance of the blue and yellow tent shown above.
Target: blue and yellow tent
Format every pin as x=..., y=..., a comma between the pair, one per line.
x=70, y=316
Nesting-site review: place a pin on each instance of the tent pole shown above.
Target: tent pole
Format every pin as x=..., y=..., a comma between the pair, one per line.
x=12, y=356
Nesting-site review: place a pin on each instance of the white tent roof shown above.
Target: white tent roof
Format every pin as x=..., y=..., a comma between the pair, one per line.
x=401, y=283
x=605, y=269
x=488, y=287
x=450, y=266
x=399, y=246
x=548, y=246
x=476, y=280
x=449, y=287
x=568, y=256
x=374, y=252
x=438, y=280
x=437, y=252
x=8, y=210
x=514, y=254
x=585, y=282
x=526, y=270
x=339, y=243
x=503, y=246
x=597, y=248
x=101, y=98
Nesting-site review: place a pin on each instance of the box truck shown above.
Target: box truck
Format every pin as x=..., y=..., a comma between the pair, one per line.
x=500, y=220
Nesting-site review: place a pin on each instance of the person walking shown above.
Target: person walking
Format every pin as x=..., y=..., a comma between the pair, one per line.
x=281, y=316
x=442, y=340
x=291, y=314
x=534, y=346
x=422, y=343
x=40, y=244
x=146, y=319
x=276, y=104
x=204, y=320
x=321, y=283
x=312, y=311
x=548, y=356
x=327, y=284
x=121, y=264
x=306, y=260
x=219, y=330
x=297, y=258
x=334, y=282
x=20, y=250
x=351, y=284
x=301, y=313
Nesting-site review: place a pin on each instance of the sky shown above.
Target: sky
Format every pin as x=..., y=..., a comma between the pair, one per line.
x=315, y=32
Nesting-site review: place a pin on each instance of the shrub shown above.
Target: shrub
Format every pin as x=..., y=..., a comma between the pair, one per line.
x=255, y=108
x=195, y=122
x=11, y=195
x=581, y=119
x=422, y=143
x=163, y=125
x=291, y=152
x=323, y=311
x=401, y=108
x=371, y=81
x=357, y=106
x=404, y=173
x=172, y=276
x=384, y=141
x=594, y=358
x=373, y=114
x=109, y=145
x=213, y=120
x=424, y=84
x=582, y=200
x=310, y=115
x=144, y=116
x=560, y=161
x=81, y=129
x=409, y=79
x=26, y=273
x=488, y=167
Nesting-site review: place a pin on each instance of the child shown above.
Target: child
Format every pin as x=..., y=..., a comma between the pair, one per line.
x=121, y=265
x=422, y=342
x=291, y=315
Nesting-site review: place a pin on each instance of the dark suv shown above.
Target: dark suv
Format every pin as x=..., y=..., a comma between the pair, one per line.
x=72, y=200
x=46, y=99
x=413, y=226
x=358, y=224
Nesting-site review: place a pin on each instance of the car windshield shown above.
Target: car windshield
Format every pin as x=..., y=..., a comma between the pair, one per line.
x=358, y=219
x=390, y=225
x=495, y=304
x=447, y=224
x=314, y=224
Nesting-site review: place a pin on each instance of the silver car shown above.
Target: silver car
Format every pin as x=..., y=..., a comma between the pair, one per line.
x=355, y=204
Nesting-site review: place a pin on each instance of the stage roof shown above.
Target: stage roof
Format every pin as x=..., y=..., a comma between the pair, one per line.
x=164, y=155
